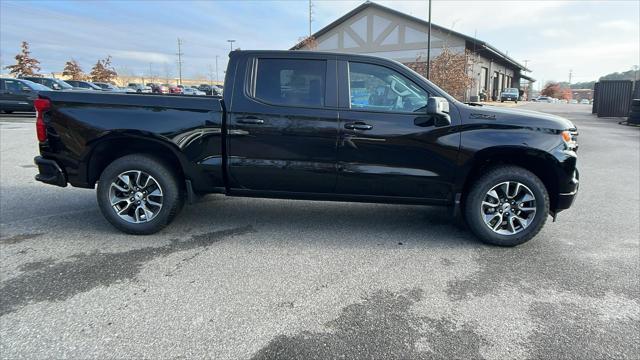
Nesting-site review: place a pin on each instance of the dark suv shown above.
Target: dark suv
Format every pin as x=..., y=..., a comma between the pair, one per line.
x=84, y=85
x=18, y=94
x=52, y=83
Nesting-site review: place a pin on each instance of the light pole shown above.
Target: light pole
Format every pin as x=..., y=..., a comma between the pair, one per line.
x=231, y=44
x=429, y=43
x=217, y=79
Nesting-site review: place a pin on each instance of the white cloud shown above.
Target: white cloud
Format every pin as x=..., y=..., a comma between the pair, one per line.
x=145, y=56
x=619, y=25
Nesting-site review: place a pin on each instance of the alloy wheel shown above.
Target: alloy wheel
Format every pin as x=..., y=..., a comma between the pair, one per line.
x=508, y=208
x=136, y=196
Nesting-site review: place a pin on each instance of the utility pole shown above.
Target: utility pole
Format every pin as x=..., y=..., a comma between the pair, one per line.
x=150, y=73
x=217, y=79
x=429, y=43
x=179, y=61
x=310, y=16
x=570, y=74
x=529, y=87
x=231, y=44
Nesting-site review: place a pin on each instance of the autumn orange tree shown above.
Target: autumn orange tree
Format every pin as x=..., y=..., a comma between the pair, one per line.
x=73, y=70
x=449, y=70
x=25, y=65
x=307, y=43
x=102, y=71
x=556, y=90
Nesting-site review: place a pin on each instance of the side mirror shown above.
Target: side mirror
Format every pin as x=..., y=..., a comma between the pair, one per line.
x=56, y=86
x=438, y=107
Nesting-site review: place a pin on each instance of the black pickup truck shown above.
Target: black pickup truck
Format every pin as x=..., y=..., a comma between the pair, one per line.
x=315, y=126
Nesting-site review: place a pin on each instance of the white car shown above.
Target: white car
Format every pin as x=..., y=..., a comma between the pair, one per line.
x=573, y=101
x=585, y=102
x=192, y=91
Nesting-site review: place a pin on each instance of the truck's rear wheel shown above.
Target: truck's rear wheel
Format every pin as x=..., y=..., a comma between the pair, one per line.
x=139, y=194
x=507, y=206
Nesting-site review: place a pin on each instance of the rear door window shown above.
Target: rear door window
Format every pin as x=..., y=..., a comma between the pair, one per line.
x=291, y=82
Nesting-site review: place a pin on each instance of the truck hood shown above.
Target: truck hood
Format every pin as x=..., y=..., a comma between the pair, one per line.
x=517, y=117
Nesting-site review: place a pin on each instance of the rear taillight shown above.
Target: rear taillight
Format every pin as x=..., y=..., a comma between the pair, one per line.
x=41, y=105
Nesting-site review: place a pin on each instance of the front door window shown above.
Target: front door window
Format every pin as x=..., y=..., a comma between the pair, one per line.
x=378, y=88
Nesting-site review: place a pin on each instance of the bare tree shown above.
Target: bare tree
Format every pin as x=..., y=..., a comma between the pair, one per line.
x=73, y=70
x=25, y=64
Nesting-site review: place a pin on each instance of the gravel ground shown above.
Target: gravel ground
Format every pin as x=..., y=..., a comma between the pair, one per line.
x=237, y=278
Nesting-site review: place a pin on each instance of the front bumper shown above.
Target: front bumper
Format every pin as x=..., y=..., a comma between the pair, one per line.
x=565, y=200
x=50, y=172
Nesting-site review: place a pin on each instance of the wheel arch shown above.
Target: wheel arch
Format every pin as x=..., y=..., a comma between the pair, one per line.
x=112, y=147
x=539, y=162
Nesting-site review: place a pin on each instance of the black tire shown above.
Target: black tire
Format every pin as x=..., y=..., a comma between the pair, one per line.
x=501, y=100
x=173, y=193
x=484, y=184
x=8, y=111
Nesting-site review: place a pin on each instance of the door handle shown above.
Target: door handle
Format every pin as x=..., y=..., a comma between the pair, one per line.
x=357, y=126
x=250, y=120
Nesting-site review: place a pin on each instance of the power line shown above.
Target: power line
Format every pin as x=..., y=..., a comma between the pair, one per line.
x=180, y=61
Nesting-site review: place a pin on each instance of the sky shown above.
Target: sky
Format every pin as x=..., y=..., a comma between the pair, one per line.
x=588, y=38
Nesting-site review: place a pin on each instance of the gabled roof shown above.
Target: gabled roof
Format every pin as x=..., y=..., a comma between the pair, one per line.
x=478, y=43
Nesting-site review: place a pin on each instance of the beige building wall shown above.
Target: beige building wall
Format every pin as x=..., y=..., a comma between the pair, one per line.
x=379, y=33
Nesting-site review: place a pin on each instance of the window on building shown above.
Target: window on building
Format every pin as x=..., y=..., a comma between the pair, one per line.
x=291, y=82
x=484, y=79
x=374, y=87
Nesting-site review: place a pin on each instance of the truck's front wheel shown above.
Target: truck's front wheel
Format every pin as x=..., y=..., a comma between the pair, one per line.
x=139, y=194
x=507, y=206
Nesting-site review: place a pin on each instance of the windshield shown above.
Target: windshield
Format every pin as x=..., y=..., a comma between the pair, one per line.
x=62, y=84
x=511, y=90
x=94, y=86
x=35, y=86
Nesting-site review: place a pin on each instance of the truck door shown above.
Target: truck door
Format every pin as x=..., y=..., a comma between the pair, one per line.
x=282, y=125
x=388, y=145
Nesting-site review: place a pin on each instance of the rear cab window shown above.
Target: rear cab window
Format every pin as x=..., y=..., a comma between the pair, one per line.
x=290, y=82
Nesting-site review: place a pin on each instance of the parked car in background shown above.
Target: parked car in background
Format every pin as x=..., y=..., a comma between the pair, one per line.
x=18, y=94
x=573, y=101
x=139, y=88
x=544, y=99
x=510, y=94
x=159, y=88
x=585, y=101
x=220, y=89
x=52, y=83
x=109, y=87
x=174, y=89
x=208, y=89
x=85, y=85
x=192, y=91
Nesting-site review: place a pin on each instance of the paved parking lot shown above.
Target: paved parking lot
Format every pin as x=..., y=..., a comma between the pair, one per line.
x=240, y=278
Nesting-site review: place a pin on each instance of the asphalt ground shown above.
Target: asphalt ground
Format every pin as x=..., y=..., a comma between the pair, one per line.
x=236, y=278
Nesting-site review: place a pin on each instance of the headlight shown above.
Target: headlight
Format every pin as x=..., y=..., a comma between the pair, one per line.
x=570, y=139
